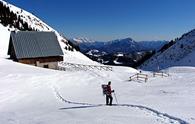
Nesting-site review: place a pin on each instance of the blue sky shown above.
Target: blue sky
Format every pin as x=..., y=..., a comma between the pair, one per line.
x=113, y=19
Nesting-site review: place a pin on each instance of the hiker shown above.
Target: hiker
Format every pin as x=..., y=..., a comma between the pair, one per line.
x=109, y=97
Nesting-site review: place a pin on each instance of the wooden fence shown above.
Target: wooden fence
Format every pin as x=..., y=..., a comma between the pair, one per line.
x=139, y=77
x=162, y=74
x=63, y=66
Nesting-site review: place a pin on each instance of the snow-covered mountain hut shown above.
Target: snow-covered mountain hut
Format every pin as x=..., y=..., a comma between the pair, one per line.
x=40, y=49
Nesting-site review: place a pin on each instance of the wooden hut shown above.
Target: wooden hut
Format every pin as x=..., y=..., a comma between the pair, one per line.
x=40, y=49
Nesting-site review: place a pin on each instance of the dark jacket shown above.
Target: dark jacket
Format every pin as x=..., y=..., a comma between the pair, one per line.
x=109, y=91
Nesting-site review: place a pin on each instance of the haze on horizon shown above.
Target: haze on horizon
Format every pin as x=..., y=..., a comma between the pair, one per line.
x=114, y=19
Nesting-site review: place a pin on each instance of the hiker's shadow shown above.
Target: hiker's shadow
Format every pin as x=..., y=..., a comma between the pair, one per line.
x=80, y=107
x=94, y=106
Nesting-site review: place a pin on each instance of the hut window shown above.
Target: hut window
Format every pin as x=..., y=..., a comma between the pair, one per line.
x=45, y=66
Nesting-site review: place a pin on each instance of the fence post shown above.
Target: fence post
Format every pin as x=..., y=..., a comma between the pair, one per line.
x=137, y=76
x=146, y=78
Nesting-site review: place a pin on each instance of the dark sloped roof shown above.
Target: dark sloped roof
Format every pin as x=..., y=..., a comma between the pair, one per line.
x=32, y=44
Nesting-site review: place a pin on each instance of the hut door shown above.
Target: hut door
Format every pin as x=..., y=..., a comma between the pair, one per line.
x=37, y=63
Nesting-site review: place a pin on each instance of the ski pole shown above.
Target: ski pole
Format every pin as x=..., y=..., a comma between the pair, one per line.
x=115, y=98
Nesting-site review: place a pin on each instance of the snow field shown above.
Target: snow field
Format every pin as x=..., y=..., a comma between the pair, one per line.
x=28, y=95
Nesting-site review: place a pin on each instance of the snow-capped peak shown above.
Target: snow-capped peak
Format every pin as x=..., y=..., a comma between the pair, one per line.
x=83, y=40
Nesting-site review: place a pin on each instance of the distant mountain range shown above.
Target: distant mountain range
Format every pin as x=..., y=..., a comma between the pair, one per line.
x=151, y=55
x=126, y=45
x=118, y=52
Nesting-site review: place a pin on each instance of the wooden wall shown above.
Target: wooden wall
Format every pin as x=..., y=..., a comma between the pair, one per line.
x=33, y=61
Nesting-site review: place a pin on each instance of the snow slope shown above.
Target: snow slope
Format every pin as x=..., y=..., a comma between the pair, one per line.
x=28, y=17
x=31, y=95
x=4, y=41
x=182, y=53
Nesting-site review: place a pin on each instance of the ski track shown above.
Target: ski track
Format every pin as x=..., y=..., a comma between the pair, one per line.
x=158, y=114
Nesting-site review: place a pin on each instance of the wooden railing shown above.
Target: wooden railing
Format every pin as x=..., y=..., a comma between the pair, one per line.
x=144, y=77
x=162, y=74
x=139, y=77
x=63, y=66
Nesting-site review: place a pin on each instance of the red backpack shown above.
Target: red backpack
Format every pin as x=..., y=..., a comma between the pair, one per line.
x=105, y=89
